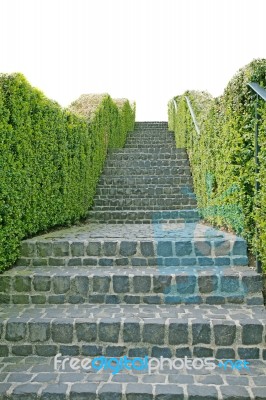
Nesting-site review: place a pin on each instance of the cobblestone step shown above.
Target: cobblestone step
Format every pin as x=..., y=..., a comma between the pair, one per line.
x=151, y=141
x=138, y=217
x=112, y=156
x=155, y=244
x=159, y=171
x=27, y=377
x=37, y=378
x=151, y=206
x=146, y=163
x=133, y=180
x=123, y=285
x=158, y=202
x=115, y=330
x=148, y=146
x=161, y=151
x=143, y=190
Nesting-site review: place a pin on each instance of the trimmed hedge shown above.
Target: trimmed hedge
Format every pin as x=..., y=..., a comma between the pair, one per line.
x=50, y=159
x=222, y=156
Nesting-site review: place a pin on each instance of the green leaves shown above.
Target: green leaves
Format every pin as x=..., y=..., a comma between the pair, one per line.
x=222, y=158
x=50, y=160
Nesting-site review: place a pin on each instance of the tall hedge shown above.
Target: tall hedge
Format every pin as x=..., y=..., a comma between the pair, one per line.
x=222, y=155
x=50, y=160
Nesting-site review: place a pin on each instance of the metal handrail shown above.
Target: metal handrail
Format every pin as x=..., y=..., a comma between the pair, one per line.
x=260, y=91
x=193, y=115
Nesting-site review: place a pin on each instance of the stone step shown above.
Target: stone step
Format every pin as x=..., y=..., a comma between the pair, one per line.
x=153, y=151
x=115, y=330
x=146, y=163
x=143, y=216
x=37, y=378
x=153, y=135
x=150, y=206
x=159, y=171
x=157, y=244
x=146, y=124
x=121, y=285
x=134, y=180
x=142, y=190
x=152, y=141
x=165, y=201
x=147, y=156
x=156, y=146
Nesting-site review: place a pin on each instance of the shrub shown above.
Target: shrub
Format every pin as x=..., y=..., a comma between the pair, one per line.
x=222, y=156
x=50, y=158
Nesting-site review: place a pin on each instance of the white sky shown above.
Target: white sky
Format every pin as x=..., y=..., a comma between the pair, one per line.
x=145, y=50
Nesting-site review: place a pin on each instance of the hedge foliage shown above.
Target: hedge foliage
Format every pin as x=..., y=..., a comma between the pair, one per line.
x=222, y=155
x=50, y=159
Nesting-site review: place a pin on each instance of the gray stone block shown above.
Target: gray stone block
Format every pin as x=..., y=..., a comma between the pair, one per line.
x=202, y=352
x=27, y=391
x=252, y=332
x=224, y=333
x=27, y=249
x=178, y=333
x=54, y=392
x=3, y=350
x=83, y=391
x=169, y=392
x=110, y=248
x=225, y=354
x=48, y=350
x=162, y=284
x=115, y=351
x=185, y=284
x=201, y=332
x=77, y=249
x=120, y=284
x=202, y=248
x=234, y=392
x=142, y=284
x=86, y=331
x=61, y=284
x=80, y=285
x=138, y=352
x=106, y=262
x=22, y=350
x=164, y=249
x=207, y=283
x=15, y=331
x=39, y=331
x=41, y=283
x=110, y=391
x=158, y=352
x=139, y=391
x=154, y=332
x=44, y=249
x=93, y=249
x=252, y=284
x=109, y=331
x=248, y=353
x=196, y=392
x=239, y=248
x=128, y=249
x=101, y=284
x=5, y=284
x=69, y=350
x=61, y=249
x=230, y=284
x=92, y=350
x=222, y=248
x=131, y=332
x=20, y=298
x=147, y=249
x=62, y=331
x=183, y=248
x=22, y=283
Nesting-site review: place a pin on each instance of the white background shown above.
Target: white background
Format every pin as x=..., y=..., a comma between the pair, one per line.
x=145, y=50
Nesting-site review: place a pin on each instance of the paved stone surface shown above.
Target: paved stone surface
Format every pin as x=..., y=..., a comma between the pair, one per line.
x=37, y=378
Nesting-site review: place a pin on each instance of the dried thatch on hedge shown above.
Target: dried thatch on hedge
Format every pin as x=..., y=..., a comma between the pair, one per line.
x=87, y=104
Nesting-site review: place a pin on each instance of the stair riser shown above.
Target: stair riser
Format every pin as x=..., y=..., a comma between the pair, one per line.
x=150, y=207
x=144, y=191
x=162, y=171
x=105, y=336
x=147, y=157
x=146, y=164
x=110, y=288
x=150, y=151
x=145, y=180
x=134, y=253
x=128, y=201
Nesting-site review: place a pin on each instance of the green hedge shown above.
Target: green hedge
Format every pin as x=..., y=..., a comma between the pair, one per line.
x=50, y=160
x=222, y=155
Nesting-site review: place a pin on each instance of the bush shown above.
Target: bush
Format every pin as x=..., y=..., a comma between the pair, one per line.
x=50, y=159
x=222, y=156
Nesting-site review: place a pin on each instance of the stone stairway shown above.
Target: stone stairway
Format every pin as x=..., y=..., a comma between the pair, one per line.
x=143, y=278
